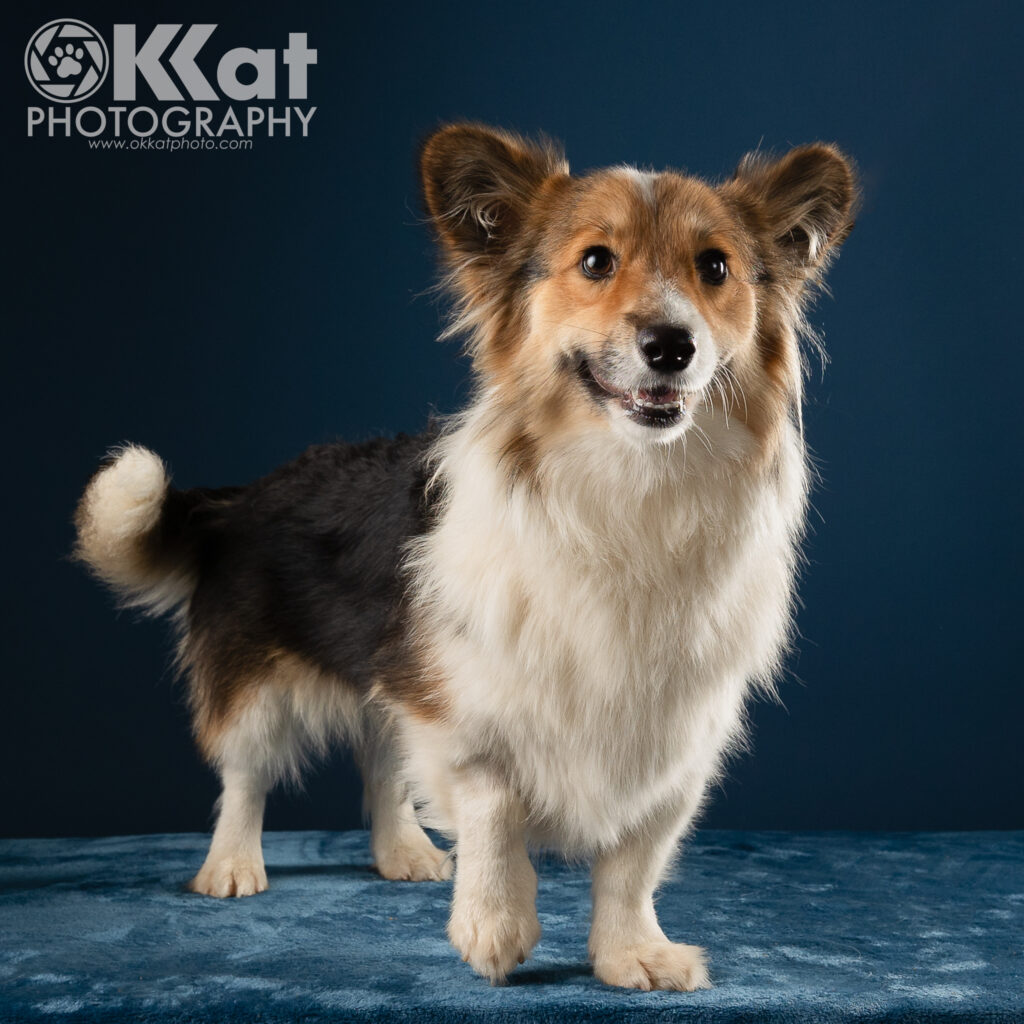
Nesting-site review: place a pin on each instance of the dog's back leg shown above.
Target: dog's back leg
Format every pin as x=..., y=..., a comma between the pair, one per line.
x=401, y=849
x=255, y=747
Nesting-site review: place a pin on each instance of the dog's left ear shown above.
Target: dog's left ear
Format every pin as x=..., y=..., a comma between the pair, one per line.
x=478, y=183
x=802, y=205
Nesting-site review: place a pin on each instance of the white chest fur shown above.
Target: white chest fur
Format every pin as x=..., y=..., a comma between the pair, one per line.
x=597, y=634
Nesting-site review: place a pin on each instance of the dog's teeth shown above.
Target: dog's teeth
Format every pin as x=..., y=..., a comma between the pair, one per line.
x=637, y=402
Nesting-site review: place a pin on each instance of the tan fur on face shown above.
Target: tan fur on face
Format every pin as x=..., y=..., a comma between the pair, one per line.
x=531, y=314
x=656, y=226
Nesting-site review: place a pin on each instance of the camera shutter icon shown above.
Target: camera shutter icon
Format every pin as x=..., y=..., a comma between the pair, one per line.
x=66, y=60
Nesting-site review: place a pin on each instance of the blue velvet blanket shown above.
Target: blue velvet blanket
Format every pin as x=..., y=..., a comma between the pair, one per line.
x=799, y=927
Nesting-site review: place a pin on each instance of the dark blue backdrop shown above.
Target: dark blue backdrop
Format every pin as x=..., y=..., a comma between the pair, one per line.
x=227, y=309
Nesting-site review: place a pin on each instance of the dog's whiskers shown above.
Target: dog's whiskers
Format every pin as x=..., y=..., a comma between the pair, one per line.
x=734, y=385
x=577, y=327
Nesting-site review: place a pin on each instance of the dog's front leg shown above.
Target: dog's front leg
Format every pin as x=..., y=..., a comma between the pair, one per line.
x=494, y=915
x=627, y=946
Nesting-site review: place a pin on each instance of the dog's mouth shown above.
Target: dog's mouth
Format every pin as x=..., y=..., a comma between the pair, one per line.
x=649, y=407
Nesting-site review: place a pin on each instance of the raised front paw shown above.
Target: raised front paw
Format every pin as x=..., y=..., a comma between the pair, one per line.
x=661, y=964
x=230, y=876
x=493, y=942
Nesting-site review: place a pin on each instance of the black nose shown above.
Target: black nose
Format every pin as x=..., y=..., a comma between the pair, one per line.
x=666, y=348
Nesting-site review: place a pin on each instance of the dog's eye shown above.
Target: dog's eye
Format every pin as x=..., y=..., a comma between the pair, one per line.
x=597, y=262
x=712, y=266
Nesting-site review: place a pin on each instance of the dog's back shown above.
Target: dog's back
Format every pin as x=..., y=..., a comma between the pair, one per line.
x=303, y=563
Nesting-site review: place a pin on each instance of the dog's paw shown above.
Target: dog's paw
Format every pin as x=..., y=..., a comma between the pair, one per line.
x=494, y=943
x=230, y=876
x=410, y=856
x=650, y=965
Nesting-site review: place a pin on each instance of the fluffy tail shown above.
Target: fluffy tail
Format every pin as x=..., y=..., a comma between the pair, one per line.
x=131, y=532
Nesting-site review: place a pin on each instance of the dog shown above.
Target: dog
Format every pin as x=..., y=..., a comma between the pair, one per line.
x=537, y=623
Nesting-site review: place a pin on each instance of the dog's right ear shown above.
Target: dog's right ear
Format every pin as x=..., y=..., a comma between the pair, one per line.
x=478, y=183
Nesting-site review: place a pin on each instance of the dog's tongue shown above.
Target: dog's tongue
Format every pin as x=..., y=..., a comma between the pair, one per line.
x=660, y=396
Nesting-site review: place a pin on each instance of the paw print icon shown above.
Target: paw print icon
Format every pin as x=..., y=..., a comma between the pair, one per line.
x=66, y=60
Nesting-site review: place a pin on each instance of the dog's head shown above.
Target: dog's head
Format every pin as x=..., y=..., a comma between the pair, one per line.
x=630, y=301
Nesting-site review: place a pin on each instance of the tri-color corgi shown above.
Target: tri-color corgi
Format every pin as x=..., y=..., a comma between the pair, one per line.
x=538, y=623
